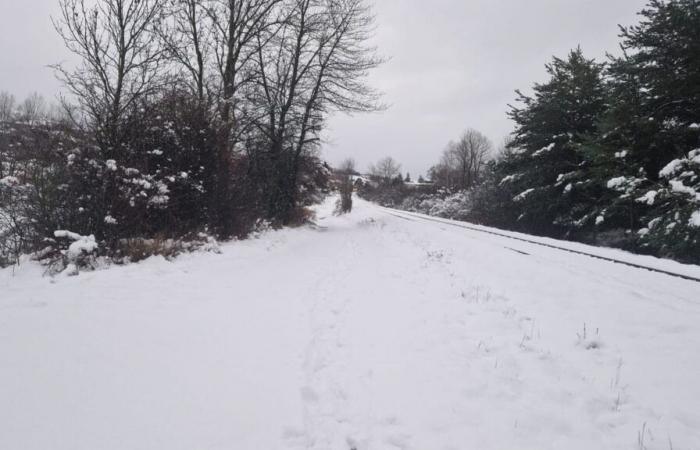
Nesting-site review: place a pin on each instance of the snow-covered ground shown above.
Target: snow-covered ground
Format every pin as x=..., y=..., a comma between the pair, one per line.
x=369, y=332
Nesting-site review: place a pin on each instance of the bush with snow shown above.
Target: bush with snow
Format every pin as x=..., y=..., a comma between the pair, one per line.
x=440, y=204
x=673, y=222
x=76, y=252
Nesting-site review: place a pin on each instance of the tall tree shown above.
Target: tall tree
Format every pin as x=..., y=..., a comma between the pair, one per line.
x=316, y=62
x=120, y=57
x=33, y=108
x=186, y=36
x=463, y=161
x=655, y=87
x=546, y=170
x=386, y=169
x=240, y=30
x=652, y=129
x=471, y=153
x=7, y=106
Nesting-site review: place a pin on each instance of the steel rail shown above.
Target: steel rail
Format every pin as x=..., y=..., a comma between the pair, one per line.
x=399, y=213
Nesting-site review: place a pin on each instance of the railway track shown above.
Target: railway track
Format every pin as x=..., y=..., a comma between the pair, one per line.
x=409, y=215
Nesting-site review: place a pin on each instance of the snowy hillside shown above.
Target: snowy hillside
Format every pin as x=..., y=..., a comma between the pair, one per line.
x=368, y=332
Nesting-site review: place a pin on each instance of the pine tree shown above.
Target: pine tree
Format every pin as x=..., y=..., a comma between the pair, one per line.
x=611, y=150
x=613, y=154
x=664, y=63
x=545, y=170
x=673, y=224
x=652, y=125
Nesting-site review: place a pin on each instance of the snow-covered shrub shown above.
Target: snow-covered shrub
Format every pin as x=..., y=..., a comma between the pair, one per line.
x=160, y=175
x=163, y=170
x=396, y=193
x=76, y=252
x=31, y=186
x=156, y=175
x=673, y=223
x=314, y=181
x=441, y=204
x=261, y=227
x=14, y=224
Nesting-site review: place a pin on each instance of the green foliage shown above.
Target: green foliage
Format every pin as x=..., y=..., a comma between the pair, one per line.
x=593, y=146
x=546, y=170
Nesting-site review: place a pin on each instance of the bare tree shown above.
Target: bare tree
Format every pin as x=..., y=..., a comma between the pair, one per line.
x=470, y=153
x=443, y=174
x=60, y=113
x=347, y=166
x=33, y=108
x=186, y=36
x=463, y=161
x=214, y=43
x=274, y=68
x=316, y=62
x=240, y=28
x=7, y=106
x=120, y=56
x=386, y=169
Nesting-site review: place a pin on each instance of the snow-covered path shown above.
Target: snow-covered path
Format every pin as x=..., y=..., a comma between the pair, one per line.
x=370, y=332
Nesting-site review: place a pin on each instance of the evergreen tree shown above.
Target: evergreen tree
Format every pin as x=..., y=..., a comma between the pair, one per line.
x=673, y=225
x=612, y=154
x=492, y=200
x=665, y=49
x=652, y=121
x=545, y=170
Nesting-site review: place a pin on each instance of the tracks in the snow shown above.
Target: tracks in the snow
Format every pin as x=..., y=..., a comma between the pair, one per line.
x=413, y=216
x=324, y=393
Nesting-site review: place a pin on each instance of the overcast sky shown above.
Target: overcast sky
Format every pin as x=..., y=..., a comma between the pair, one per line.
x=454, y=64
